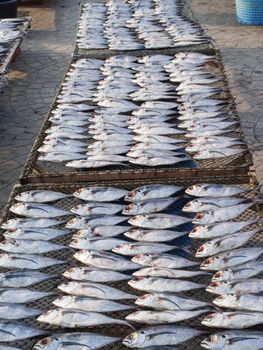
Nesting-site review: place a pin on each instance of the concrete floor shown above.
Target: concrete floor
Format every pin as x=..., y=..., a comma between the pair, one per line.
x=33, y=80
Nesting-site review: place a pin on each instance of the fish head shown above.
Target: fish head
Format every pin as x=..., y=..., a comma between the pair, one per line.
x=77, y=207
x=135, y=280
x=222, y=275
x=216, y=341
x=226, y=300
x=201, y=218
x=82, y=192
x=17, y=206
x=73, y=271
x=134, y=195
x=9, y=242
x=48, y=343
x=133, y=233
x=135, y=339
x=194, y=190
x=142, y=259
x=218, y=287
x=204, y=250
x=75, y=222
x=130, y=208
x=198, y=232
x=145, y=300
x=48, y=316
x=209, y=263
x=24, y=196
x=191, y=206
x=63, y=300
x=213, y=319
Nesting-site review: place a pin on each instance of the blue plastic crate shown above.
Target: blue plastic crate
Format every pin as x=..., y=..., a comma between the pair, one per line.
x=250, y=12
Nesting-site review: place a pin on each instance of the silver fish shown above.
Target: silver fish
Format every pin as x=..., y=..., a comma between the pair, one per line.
x=37, y=210
x=37, y=234
x=40, y=196
x=142, y=235
x=97, y=209
x=26, y=261
x=234, y=340
x=214, y=190
x=158, y=221
x=21, y=295
x=233, y=320
x=84, y=223
x=221, y=214
x=158, y=284
x=100, y=194
x=107, y=243
x=101, y=231
x=30, y=223
x=94, y=275
x=152, y=206
x=105, y=260
x=132, y=249
x=168, y=273
x=28, y=246
x=163, y=261
x=249, y=269
x=94, y=290
x=5, y=347
x=220, y=229
x=250, y=286
x=10, y=331
x=17, y=312
x=163, y=317
x=231, y=258
x=219, y=245
x=77, y=340
x=210, y=203
x=160, y=336
x=77, y=318
x=164, y=301
x=89, y=304
x=152, y=192
x=240, y=302
x=15, y=279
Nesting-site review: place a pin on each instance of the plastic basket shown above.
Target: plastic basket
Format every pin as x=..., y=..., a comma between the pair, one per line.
x=250, y=12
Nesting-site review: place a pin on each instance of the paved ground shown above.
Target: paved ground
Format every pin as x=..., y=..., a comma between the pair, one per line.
x=46, y=52
x=33, y=80
x=242, y=50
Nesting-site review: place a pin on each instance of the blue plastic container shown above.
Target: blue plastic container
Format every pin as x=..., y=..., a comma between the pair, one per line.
x=250, y=12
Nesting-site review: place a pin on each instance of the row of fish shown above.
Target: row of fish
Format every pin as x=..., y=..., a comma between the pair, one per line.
x=155, y=272
x=11, y=30
x=136, y=118
x=206, y=118
x=87, y=296
x=133, y=25
x=235, y=265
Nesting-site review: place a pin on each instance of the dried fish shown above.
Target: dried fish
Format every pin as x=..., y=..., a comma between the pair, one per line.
x=165, y=301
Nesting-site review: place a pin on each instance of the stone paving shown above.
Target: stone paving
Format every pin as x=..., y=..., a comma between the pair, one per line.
x=242, y=51
x=46, y=53
x=33, y=80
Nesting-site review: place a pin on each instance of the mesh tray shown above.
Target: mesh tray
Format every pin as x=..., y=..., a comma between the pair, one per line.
x=13, y=47
x=66, y=254
x=194, y=48
x=36, y=171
